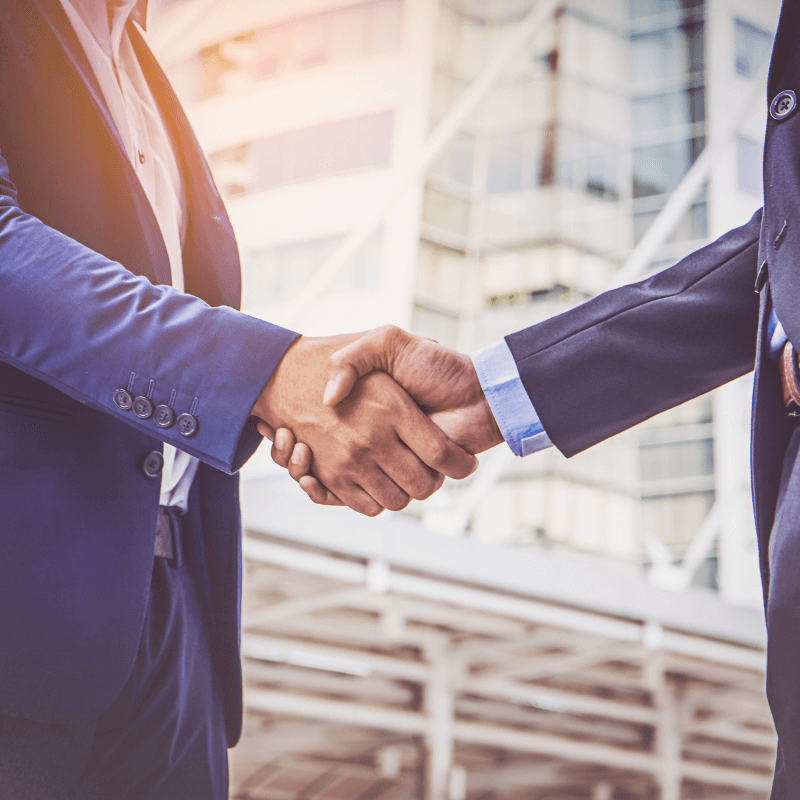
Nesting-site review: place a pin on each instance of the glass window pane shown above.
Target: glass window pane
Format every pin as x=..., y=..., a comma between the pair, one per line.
x=277, y=274
x=658, y=169
x=650, y=8
x=670, y=53
x=749, y=156
x=324, y=150
x=686, y=107
x=457, y=161
x=341, y=35
x=753, y=45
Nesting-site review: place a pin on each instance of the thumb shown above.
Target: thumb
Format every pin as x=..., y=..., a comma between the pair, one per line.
x=359, y=358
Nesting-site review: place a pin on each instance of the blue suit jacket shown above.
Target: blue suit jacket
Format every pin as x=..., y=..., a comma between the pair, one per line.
x=633, y=352
x=81, y=310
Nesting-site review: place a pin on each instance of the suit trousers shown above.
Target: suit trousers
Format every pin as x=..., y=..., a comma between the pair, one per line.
x=783, y=625
x=163, y=738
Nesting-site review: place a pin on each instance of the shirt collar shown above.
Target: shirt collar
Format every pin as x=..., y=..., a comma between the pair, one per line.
x=106, y=19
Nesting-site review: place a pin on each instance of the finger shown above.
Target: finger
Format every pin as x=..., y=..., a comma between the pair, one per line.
x=357, y=499
x=267, y=431
x=317, y=492
x=282, y=447
x=431, y=445
x=371, y=351
x=300, y=463
x=410, y=474
x=383, y=490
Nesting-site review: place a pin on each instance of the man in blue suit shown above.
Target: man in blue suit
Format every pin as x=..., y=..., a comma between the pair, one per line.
x=626, y=355
x=129, y=391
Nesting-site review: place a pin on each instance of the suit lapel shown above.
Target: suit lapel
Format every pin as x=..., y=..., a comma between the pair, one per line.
x=54, y=15
x=211, y=257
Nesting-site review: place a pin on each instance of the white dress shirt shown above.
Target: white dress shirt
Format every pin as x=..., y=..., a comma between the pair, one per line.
x=100, y=26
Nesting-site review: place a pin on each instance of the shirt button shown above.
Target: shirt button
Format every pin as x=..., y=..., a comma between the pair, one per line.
x=141, y=157
x=187, y=425
x=165, y=417
x=143, y=408
x=153, y=464
x=783, y=105
x=123, y=399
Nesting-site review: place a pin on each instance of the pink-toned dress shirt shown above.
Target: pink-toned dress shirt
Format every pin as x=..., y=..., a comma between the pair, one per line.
x=101, y=29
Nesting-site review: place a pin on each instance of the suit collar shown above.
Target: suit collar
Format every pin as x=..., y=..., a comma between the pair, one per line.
x=106, y=20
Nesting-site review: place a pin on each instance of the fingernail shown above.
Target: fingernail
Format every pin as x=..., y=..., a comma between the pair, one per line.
x=330, y=390
x=278, y=443
x=475, y=467
x=296, y=458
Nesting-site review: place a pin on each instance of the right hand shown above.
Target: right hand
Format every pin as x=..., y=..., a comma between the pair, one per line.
x=375, y=449
x=441, y=380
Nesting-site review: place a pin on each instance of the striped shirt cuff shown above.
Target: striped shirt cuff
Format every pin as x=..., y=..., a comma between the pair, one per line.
x=510, y=404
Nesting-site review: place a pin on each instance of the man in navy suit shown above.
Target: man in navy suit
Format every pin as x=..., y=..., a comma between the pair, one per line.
x=129, y=391
x=626, y=355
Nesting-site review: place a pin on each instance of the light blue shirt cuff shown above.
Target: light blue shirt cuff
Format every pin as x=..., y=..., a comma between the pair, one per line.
x=510, y=404
x=776, y=336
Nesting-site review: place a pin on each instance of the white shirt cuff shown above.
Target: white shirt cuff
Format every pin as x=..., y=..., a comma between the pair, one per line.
x=510, y=404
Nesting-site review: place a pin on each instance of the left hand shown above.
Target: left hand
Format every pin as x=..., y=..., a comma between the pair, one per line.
x=296, y=457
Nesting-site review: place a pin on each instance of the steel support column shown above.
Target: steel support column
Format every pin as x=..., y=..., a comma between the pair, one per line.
x=439, y=738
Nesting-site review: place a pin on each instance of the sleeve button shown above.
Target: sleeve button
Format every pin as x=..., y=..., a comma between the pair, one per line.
x=165, y=417
x=123, y=399
x=153, y=464
x=143, y=408
x=187, y=425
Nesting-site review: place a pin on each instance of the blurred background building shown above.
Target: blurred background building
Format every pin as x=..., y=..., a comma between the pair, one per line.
x=550, y=629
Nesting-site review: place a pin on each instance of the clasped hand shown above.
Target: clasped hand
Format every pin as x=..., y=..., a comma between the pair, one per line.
x=372, y=421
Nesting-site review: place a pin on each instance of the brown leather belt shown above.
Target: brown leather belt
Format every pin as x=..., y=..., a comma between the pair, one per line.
x=790, y=378
x=165, y=546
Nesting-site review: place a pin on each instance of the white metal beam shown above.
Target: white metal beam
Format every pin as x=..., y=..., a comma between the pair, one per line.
x=505, y=605
x=414, y=723
x=283, y=651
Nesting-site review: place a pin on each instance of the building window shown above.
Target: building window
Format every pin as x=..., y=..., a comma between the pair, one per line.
x=753, y=45
x=666, y=54
x=684, y=107
x=652, y=8
x=749, y=155
x=436, y=324
x=659, y=169
x=321, y=151
x=277, y=274
x=333, y=37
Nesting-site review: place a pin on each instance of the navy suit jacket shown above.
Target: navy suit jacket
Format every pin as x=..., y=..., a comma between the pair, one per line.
x=636, y=351
x=81, y=311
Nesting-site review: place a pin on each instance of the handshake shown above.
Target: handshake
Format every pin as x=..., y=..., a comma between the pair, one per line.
x=371, y=421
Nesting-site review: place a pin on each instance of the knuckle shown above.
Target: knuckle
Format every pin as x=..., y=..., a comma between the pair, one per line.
x=438, y=453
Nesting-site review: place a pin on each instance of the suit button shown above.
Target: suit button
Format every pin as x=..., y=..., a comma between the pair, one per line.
x=783, y=105
x=143, y=408
x=187, y=425
x=165, y=417
x=123, y=399
x=153, y=464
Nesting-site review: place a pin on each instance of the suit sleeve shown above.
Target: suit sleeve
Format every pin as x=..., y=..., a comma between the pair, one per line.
x=88, y=326
x=633, y=352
